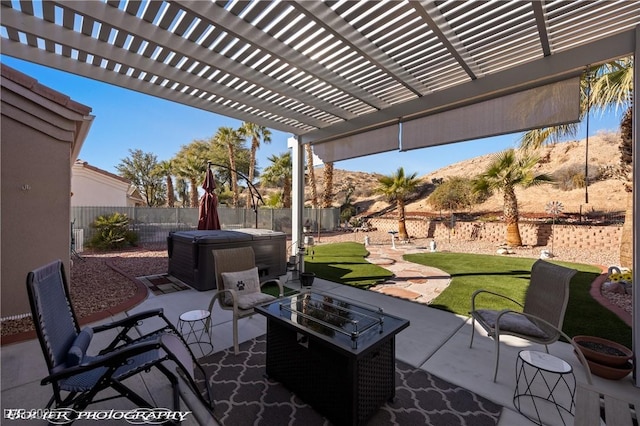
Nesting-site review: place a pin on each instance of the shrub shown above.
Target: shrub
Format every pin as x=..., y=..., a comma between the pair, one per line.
x=455, y=193
x=112, y=232
x=572, y=177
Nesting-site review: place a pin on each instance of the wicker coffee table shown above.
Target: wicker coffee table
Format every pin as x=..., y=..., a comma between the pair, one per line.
x=336, y=355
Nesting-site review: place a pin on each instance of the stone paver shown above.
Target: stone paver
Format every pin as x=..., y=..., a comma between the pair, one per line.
x=410, y=281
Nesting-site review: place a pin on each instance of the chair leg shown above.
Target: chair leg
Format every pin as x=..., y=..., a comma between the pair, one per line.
x=473, y=330
x=495, y=371
x=236, y=347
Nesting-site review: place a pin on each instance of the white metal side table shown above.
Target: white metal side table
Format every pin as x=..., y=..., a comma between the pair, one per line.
x=547, y=380
x=196, y=332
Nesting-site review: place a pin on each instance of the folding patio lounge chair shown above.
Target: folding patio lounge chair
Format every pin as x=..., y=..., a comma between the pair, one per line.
x=78, y=378
x=542, y=314
x=239, y=285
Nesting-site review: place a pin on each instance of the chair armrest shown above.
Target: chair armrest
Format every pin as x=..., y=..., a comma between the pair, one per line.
x=502, y=296
x=130, y=321
x=277, y=281
x=112, y=360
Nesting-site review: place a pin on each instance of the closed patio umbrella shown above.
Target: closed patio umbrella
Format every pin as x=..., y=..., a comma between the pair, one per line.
x=208, y=217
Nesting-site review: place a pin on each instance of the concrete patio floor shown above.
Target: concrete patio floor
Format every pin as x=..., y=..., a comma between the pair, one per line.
x=436, y=341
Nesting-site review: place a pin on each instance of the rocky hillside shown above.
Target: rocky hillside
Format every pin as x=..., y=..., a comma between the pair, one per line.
x=606, y=192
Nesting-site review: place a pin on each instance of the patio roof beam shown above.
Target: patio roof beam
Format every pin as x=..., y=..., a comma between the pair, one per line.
x=48, y=59
x=438, y=24
x=74, y=40
x=545, y=70
x=149, y=32
x=336, y=25
x=541, y=23
x=249, y=34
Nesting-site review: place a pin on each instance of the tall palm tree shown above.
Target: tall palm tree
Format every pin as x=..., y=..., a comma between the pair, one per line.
x=312, y=176
x=256, y=133
x=506, y=172
x=232, y=140
x=397, y=187
x=165, y=169
x=327, y=194
x=278, y=173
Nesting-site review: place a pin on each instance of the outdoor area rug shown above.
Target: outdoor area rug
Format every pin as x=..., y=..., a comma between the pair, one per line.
x=244, y=396
x=163, y=284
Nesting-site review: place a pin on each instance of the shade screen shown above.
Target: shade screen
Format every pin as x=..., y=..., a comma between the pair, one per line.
x=544, y=106
x=371, y=142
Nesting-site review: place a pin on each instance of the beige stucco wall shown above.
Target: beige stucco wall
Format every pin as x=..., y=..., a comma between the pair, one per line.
x=91, y=188
x=40, y=131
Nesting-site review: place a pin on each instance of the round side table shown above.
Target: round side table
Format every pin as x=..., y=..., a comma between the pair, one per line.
x=542, y=377
x=196, y=332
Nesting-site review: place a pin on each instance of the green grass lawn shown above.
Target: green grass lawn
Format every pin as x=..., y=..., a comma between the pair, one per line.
x=344, y=263
x=510, y=276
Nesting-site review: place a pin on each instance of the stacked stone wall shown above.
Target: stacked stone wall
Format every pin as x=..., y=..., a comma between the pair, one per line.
x=588, y=237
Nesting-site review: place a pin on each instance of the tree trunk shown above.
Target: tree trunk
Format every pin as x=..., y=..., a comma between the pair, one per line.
x=402, y=226
x=327, y=197
x=312, y=176
x=234, y=175
x=511, y=217
x=194, y=193
x=252, y=167
x=171, y=199
x=626, y=240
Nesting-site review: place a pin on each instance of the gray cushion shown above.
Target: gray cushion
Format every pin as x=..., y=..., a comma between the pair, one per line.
x=77, y=351
x=248, y=301
x=512, y=322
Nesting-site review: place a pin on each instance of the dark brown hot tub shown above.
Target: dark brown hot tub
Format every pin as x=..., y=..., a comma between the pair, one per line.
x=191, y=260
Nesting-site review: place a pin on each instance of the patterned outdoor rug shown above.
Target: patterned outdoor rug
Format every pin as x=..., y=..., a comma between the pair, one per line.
x=244, y=396
x=163, y=284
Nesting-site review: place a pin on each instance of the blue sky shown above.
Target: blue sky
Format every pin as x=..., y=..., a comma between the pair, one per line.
x=129, y=120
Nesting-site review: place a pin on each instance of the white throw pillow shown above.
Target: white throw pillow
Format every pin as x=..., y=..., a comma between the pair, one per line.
x=243, y=282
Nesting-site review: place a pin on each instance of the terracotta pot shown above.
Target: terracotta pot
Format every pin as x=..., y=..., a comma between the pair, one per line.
x=622, y=357
x=610, y=372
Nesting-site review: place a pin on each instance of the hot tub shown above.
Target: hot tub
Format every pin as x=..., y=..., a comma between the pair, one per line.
x=191, y=260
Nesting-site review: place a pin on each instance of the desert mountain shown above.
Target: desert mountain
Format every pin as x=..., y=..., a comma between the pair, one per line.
x=605, y=191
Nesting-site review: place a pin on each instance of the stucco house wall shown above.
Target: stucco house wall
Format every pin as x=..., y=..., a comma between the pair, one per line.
x=92, y=186
x=42, y=132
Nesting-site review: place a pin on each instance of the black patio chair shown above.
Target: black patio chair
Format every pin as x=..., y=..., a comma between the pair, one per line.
x=78, y=378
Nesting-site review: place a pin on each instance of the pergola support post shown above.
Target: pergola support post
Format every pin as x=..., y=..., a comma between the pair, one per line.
x=297, y=193
x=636, y=200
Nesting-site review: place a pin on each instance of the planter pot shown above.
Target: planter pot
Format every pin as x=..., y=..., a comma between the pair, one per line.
x=603, y=351
x=306, y=278
x=610, y=372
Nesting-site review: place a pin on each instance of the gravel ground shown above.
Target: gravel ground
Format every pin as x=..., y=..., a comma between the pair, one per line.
x=95, y=284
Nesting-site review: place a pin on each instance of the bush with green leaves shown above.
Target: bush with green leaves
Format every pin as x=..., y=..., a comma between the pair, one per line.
x=455, y=193
x=572, y=177
x=112, y=232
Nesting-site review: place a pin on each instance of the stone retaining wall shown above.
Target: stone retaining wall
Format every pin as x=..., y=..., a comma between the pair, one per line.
x=588, y=237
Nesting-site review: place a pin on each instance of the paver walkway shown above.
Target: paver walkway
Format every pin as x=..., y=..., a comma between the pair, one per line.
x=410, y=281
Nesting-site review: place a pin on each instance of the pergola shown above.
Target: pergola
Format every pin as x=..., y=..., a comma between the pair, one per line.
x=352, y=78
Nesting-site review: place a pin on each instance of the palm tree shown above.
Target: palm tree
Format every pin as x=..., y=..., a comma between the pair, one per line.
x=506, y=172
x=312, y=176
x=165, y=169
x=183, y=191
x=611, y=88
x=327, y=196
x=192, y=168
x=278, y=173
x=232, y=140
x=397, y=187
x=255, y=132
